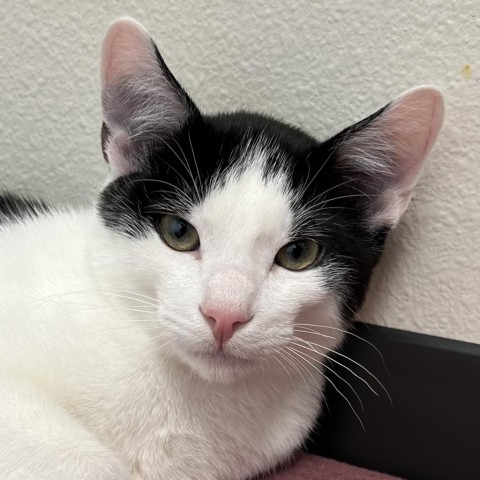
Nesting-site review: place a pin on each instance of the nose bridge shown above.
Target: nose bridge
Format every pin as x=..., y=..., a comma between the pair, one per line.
x=230, y=289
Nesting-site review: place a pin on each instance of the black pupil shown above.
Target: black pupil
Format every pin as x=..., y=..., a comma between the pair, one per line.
x=295, y=250
x=179, y=228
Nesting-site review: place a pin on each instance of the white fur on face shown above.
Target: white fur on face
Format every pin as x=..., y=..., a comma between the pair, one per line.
x=242, y=223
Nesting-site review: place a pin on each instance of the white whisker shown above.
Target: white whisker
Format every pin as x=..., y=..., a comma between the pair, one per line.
x=336, y=389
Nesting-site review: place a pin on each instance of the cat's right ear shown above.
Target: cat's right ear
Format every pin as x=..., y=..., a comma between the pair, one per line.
x=143, y=103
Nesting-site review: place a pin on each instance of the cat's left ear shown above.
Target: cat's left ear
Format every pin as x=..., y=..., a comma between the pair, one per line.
x=381, y=157
x=143, y=103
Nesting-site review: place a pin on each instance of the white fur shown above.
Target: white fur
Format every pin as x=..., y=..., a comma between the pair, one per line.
x=110, y=371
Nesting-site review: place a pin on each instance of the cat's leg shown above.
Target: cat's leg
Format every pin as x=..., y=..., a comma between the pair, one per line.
x=39, y=441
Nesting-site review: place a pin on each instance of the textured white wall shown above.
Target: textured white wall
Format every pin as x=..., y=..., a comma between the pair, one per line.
x=321, y=65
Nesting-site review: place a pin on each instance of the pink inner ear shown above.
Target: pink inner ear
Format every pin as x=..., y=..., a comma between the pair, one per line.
x=389, y=151
x=412, y=124
x=140, y=103
x=408, y=129
x=126, y=50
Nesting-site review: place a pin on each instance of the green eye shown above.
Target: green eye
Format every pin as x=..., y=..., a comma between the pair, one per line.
x=298, y=255
x=178, y=233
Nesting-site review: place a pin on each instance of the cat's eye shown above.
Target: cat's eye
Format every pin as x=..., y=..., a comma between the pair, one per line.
x=298, y=255
x=178, y=233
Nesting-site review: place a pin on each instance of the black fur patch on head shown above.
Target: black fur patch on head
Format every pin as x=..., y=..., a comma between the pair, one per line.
x=15, y=207
x=177, y=174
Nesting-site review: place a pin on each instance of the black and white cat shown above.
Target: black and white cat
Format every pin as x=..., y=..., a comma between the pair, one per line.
x=177, y=330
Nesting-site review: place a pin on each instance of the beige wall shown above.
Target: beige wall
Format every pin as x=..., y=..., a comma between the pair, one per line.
x=321, y=65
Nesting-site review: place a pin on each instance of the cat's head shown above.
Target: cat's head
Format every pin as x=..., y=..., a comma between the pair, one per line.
x=250, y=235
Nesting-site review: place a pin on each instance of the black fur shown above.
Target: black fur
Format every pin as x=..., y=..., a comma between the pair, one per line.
x=15, y=207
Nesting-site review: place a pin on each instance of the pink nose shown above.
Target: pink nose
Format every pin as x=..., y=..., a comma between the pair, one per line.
x=223, y=324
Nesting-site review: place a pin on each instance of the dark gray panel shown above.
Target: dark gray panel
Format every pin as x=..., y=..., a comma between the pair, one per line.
x=431, y=431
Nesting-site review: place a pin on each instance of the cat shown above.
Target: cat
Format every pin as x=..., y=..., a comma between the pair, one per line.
x=178, y=329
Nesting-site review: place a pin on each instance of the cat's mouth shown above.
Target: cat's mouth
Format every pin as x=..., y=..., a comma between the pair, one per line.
x=218, y=364
x=224, y=357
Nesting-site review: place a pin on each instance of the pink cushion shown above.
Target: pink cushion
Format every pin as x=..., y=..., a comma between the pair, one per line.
x=310, y=467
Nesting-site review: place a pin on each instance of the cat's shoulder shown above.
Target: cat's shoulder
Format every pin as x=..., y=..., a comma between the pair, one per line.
x=14, y=207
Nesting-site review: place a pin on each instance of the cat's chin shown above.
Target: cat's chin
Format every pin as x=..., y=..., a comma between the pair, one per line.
x=219, y=366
